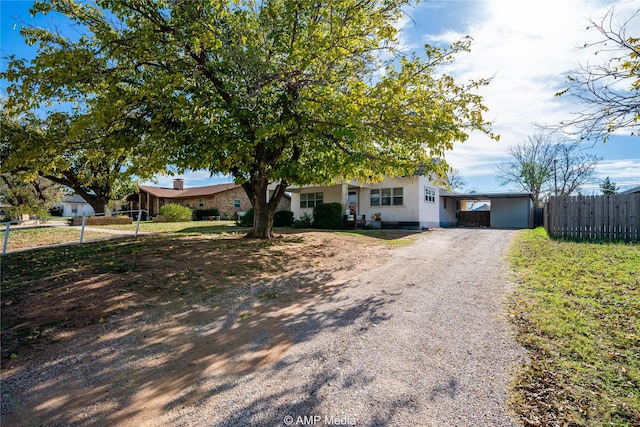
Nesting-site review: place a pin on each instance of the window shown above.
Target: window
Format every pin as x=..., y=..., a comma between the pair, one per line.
x=201, y=203
x=375, y=198
x=387, y=197
x=429, y=195
x=74, y=209
x=397, y=197
x=310, y=200
x=236, y=203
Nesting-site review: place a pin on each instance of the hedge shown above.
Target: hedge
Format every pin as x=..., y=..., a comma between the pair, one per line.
x=327, y=216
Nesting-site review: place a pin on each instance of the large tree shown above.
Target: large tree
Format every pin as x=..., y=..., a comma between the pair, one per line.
x=546, y=165
x=29, y=195
x=95, y=159
x=607, y=89
x=273, y=92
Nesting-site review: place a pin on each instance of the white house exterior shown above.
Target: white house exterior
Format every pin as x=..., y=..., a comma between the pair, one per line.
x=75, y=205
x=412, y=202
x=405, y=201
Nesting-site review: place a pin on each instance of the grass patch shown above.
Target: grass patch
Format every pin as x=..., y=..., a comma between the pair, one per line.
x=577, y=310
x=32, y=237
x=178, y=227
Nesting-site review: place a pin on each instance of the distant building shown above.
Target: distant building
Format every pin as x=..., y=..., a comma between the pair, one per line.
x=75, y=205
x=229, y=199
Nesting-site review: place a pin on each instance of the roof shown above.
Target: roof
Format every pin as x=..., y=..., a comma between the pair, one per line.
x=631, y=190
x=484, y=196
x=74, y=198
x=170, y=193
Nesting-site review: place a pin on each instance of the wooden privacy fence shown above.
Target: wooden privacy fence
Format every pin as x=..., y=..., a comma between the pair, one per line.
x=609, y=217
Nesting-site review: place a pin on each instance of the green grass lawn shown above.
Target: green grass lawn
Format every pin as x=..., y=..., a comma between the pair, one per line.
x=178, y=227
x=577, y=311
x=22, y=238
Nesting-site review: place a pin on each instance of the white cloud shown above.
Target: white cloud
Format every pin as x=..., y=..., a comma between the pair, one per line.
x=626, y=171
x=529, y=48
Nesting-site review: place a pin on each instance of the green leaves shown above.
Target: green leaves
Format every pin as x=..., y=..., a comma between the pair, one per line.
x=299, y=92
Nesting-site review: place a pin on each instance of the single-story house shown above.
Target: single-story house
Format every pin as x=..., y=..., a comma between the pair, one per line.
x=414, y=202
x=229, y=199
x=75, y=205
x=633, y=190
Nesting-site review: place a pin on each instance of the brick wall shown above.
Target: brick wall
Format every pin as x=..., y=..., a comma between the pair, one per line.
x=224, y=202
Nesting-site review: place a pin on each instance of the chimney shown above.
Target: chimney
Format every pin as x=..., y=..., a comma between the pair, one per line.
x=178, y=184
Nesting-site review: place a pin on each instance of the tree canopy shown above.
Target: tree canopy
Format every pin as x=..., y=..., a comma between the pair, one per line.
x=608, y=187
x=36, y=196
x=546, y=165
x=279, y=91
x=97, y=160
x=607, y=90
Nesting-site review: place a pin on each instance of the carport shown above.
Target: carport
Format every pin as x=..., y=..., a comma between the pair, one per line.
x=507, y=210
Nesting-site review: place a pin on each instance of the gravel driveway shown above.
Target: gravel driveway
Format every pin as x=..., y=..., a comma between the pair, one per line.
x=418, y=340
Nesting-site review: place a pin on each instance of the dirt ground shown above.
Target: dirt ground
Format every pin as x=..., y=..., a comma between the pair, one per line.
x=105, y=335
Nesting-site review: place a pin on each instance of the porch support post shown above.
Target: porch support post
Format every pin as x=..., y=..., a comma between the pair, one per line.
x=345, y=196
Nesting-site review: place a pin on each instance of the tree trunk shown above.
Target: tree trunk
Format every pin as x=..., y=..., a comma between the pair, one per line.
x=100, y=204
x=99, y=201
x=262, y=221
x=264, y=207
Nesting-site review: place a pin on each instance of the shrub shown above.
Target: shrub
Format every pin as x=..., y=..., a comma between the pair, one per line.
x=283, y=219
x=246, y=220
x=55, y=211
x=175, y=212
x=201, y=214
x=328, y=216
x=305, y=221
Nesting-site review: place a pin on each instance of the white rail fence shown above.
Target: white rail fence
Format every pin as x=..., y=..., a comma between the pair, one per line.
x=7, y=224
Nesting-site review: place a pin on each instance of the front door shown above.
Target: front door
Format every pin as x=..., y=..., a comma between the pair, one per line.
x=352, y=202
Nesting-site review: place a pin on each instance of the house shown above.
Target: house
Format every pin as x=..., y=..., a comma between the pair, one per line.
x=633, y=190
x=75, y=205
x=229, y=199
x=414, y=202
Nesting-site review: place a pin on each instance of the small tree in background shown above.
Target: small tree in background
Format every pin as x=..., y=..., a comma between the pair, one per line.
x=608, y=187
x=456, y=181
x=543, y=165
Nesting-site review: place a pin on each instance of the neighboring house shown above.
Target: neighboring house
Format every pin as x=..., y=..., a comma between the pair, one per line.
x=75, y=205
x=631, y=191
x=414, y=202
x=229, y=199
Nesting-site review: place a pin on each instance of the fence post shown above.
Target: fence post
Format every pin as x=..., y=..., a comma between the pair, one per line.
x=138, y=222
x=84, y=220
x=6, y=238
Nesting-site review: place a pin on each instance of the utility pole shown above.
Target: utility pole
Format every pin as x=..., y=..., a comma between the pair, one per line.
x=555, y=178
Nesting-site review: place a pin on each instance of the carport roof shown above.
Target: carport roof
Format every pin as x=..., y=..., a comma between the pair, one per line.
x=484, y=196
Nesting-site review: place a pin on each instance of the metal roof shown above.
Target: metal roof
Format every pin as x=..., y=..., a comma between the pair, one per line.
x=74, y=198
x=485, y=196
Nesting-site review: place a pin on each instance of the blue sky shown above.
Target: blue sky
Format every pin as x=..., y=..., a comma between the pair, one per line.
x=528, y=47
